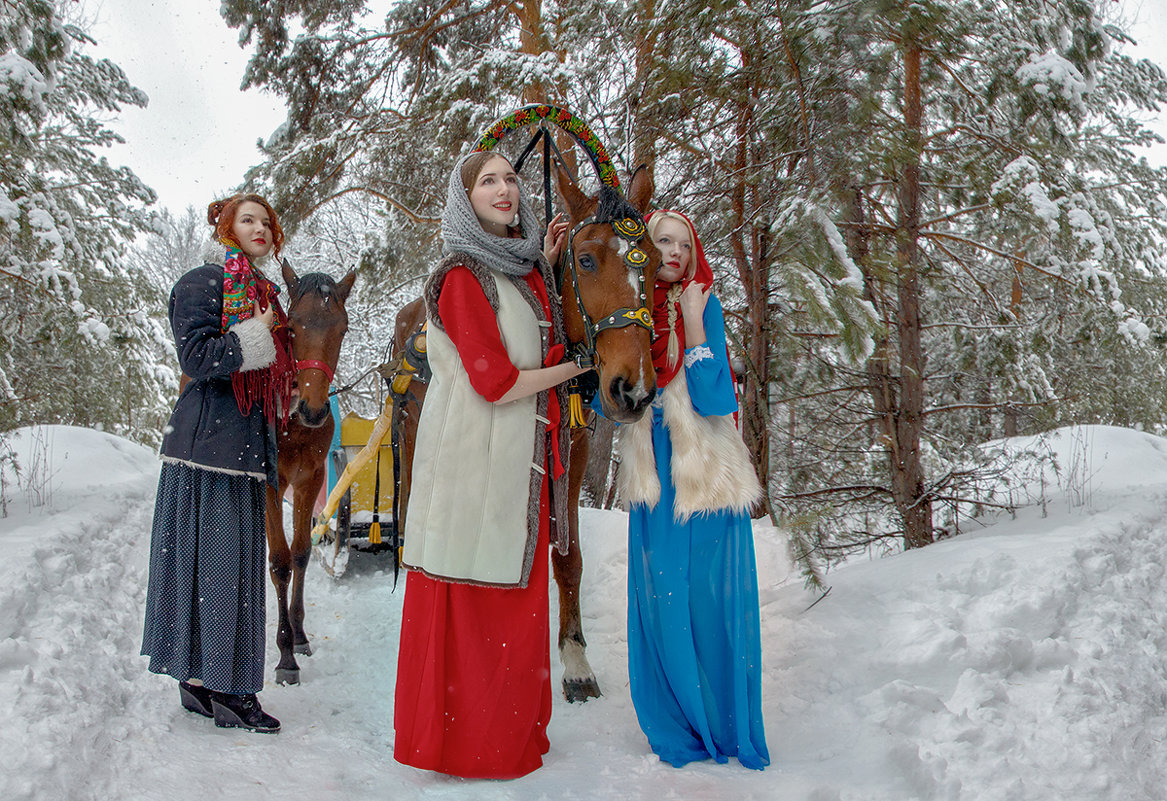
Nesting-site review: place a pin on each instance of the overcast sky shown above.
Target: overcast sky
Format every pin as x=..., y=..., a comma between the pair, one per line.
x=196, y=139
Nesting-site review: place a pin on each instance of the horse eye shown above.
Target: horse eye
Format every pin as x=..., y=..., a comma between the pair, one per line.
x=588, y=263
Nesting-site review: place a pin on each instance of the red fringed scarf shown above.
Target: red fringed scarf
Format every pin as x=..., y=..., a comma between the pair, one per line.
x=271, y=386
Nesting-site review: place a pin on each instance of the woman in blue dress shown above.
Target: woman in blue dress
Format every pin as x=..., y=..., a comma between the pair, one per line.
x=694, y=652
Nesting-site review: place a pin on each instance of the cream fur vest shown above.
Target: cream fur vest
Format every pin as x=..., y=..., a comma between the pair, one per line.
x=711, y=468
x=478, y=466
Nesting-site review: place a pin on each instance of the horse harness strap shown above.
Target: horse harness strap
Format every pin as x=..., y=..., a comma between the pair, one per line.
x=631, y=230
x=308, y=364
x=414, y=363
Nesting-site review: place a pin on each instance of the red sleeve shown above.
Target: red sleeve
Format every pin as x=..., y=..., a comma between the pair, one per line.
x=472, y=326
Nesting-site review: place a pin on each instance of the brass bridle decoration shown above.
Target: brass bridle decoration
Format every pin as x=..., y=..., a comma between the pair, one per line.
x=632, y=231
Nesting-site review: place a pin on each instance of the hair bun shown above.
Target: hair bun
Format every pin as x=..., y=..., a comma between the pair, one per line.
x=214, y=210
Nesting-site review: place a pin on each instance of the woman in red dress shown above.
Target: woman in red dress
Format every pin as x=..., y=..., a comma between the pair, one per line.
x=473, y=694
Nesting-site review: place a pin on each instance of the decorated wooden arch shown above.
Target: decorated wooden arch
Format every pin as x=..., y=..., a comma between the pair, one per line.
x=573, y=126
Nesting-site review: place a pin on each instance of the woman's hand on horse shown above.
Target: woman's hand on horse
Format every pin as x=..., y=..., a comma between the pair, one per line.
x=268, y=315
x=554, y=238
x=531, y=381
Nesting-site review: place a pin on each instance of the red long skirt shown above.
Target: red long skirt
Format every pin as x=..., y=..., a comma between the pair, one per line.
x=473, y=694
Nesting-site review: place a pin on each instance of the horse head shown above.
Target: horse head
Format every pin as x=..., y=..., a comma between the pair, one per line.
x=606, y=277
x=318, y=322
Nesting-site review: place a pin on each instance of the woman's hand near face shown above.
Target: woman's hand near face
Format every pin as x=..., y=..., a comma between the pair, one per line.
x=554, y=238
x=693, y=300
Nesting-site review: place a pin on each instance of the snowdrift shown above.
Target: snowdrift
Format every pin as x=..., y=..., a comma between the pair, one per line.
x=1023, y=660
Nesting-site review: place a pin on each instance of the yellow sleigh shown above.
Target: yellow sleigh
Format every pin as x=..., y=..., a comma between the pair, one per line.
x=360, y=476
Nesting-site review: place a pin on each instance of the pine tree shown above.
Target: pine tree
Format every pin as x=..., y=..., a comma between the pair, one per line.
x=991, y=199
x=77, y=343
x=927, y=219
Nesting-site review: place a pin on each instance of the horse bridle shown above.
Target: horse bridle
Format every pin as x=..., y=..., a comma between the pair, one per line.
x=305, y=364
x=631, y=230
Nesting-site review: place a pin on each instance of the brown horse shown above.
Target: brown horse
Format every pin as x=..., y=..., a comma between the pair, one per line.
x=318, y=322
x=598, y=284
x=408, y=398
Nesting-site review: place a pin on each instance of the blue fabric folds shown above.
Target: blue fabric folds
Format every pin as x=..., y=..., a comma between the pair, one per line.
x=694, y=644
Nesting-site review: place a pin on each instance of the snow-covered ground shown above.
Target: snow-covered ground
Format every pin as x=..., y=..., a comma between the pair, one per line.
x=1022, y=661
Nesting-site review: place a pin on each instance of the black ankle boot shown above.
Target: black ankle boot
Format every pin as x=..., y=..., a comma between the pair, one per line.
x=196, y=698
x=242, y=711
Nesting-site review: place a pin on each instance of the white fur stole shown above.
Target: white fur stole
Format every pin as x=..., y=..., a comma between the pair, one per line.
x=711, y=466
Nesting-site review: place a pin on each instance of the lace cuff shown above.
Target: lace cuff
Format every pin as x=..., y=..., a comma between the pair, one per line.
x=696, y=354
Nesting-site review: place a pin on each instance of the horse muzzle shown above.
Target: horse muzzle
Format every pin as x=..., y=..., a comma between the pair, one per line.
x=624, y=401
x=311, y=417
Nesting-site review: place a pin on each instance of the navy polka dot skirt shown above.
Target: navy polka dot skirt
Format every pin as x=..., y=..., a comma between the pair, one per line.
x=205, y=598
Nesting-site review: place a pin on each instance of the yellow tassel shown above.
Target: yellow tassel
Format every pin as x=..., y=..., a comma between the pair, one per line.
x=575, y=410
x=375, y=533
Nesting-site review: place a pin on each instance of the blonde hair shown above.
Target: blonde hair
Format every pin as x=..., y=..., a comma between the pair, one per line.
x=660, y=216
x=673, y=354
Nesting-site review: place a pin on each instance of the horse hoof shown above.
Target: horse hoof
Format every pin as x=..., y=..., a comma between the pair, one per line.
x=580, y=690
x=286, y=676
x=302, y=648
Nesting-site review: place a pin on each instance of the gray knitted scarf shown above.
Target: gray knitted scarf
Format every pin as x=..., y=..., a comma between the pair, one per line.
x=463, y=233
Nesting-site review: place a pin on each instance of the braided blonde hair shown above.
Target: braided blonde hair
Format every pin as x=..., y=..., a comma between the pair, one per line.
x=674, y=297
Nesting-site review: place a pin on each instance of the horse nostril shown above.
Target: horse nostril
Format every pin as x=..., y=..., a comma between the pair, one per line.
x=616, y=389
x=622, y=392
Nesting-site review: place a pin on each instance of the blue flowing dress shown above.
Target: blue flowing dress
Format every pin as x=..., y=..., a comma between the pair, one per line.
x=694, y=642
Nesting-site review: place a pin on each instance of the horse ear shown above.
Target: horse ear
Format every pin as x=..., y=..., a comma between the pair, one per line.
x=345, y=285
x=640, y=189
x=577, y=202
x=290, y=277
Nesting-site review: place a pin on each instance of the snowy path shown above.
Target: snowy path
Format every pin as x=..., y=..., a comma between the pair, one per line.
x=1022, y=662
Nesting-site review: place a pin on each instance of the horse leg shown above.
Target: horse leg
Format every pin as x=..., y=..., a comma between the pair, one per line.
x=280, y=565
x=579, y=682
x=303, y=498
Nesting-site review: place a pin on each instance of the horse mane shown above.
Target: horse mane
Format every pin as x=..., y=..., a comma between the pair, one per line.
x=320, y=283
x=614, y=206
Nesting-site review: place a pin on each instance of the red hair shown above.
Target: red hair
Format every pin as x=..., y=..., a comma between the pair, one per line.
x=221, y=214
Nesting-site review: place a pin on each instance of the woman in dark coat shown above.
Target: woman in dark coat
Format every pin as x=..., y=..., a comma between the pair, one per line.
x=205, y=600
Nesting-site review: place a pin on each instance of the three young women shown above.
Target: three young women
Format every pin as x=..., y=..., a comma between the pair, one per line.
x=205, y=597
x=473, y=695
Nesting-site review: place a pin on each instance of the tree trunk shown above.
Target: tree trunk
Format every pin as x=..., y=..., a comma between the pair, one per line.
x=641, y=104
x=752, y=262
x=532, y=41
x=907, y=469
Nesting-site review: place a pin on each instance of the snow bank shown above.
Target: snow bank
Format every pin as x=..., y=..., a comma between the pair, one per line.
x=1023, y=661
